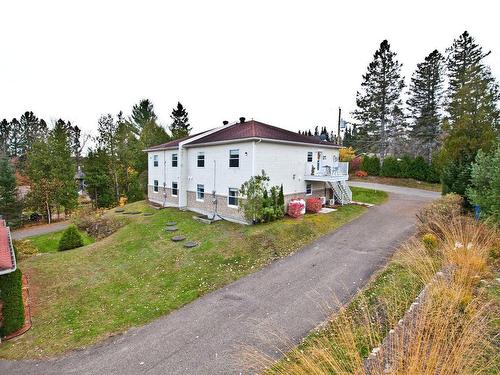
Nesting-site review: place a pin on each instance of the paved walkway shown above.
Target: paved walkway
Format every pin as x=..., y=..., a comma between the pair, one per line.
x=269, y=310
x=39, y=229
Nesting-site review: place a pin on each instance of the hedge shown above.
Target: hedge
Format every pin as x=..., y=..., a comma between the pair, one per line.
x=371, y=164
x=11, y=295
x=405, y=167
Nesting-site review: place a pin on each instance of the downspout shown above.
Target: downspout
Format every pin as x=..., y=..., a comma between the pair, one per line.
x=164, y=179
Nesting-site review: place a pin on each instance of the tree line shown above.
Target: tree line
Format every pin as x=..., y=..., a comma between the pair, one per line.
x=48, y=157
x=451, y=111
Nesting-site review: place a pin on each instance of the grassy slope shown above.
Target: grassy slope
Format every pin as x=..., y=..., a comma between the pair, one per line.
x=138, y=274
x=405, y=182
x=368, y=195
x=49, y=242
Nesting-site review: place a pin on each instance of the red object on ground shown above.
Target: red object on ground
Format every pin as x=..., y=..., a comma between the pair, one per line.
x=313, y=205
x=295, y=208
x=6, y=251
x=361, y=174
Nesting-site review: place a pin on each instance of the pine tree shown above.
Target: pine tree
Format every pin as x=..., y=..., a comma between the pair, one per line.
x=378, y=100
x=4, y=137
x=142, y=114
x=425, y=104
x=99, y=184
x=473, y=116
x=16, y=141
x=180, y=126
x=10, y=207
x=32, y=129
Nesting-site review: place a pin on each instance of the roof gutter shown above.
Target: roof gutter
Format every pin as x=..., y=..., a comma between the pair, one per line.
x=260, y=139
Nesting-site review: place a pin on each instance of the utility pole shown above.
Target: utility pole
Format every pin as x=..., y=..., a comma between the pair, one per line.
x=338, y=130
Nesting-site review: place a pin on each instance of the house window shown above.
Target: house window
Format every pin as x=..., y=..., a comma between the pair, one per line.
x=309, y=157
x=174, y=160
x=201, y=159
x=308, y=189
x=232, y=198
x=200, y=192
x=155, y=160
x=234, y=158
x=174, y=189
x=155, y=186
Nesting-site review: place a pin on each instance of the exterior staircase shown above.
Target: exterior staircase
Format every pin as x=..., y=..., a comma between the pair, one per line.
x=341, y=191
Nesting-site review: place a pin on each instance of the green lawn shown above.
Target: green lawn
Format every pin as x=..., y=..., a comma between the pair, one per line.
x=138, y=274
x=48, y=243
x=368, y=196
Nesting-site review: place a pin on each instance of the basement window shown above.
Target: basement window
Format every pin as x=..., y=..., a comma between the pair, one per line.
x=155, y=160
x=174, y=160
x=308, y=189
x=234, y=158
x=232, y=198
x=200, y=192
x=155, y=186
x=174, y=189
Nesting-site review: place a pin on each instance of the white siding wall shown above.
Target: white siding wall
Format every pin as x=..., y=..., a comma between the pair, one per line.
x=164, y=172
x=224, y=176
x=282, y=161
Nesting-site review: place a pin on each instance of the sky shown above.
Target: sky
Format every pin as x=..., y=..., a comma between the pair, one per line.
x=287, y=63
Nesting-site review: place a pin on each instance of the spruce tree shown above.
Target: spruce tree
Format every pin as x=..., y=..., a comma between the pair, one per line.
x=16, y=141
x=4, y=137
x=142, y=114
x=10, y=207
x=425, y=104
x=180, y=126
x=378, y=102
x=99, y=184
x=473, y=116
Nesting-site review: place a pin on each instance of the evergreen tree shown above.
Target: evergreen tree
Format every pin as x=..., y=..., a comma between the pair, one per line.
x=10, y=207
x=425, y=104
x=32, y=129
x=378, y=101
x=142, y=114
x=4, y=137
x=100, y=186
x=16, y=141
x=473, y=116
x=180, y=126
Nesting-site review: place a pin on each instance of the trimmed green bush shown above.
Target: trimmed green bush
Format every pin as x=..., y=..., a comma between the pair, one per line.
x=371, y=164
x=390, y=168
x=419, y=169
x=70, y=239
x=11, y=295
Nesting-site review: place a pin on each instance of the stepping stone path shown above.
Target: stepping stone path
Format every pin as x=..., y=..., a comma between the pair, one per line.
x=148, y=214
x=171, y=229
x=171, y=223
x=178, y=238
x=132, y=213
x=190, y=244
x=119, y=210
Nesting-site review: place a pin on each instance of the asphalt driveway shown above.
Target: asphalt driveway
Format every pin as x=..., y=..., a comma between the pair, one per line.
x=268, y=310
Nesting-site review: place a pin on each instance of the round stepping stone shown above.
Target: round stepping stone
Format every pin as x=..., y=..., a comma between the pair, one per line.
x=190, y=244
x=120, y=210
x=171, y=229
x=148, y=214
x=171, y=223
x=178, y=238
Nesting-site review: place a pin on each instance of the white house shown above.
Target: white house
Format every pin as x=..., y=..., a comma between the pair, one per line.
x=204, y=172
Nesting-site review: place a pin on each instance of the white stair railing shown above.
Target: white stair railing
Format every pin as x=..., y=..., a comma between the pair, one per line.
x=341, y=191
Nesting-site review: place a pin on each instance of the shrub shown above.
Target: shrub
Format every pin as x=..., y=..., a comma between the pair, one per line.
x=430, y=241
x=11, y=294
x=390, y=168
x=355, y=164
x=485, y=183
x=361, y=174
x=371, y=165
x=405, y=165
x=346, y=154
x=295, y=209
x=313, y=205
x=70, y=239
x=419, y=169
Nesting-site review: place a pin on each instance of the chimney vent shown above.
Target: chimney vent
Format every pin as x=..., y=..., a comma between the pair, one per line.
x=225, y=122
x=242, y=119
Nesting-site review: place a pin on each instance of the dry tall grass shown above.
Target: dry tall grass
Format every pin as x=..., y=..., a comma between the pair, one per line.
x=450, y=331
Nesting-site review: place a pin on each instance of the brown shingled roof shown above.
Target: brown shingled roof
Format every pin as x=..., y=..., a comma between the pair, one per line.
x=256, y=129
x=7, y=261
